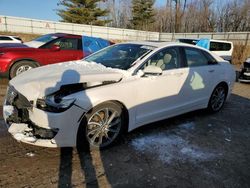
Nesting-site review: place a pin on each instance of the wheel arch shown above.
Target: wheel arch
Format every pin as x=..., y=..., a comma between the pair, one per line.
x=22, y=59
x=82, y=140
x=225, y=85
x=119, y=103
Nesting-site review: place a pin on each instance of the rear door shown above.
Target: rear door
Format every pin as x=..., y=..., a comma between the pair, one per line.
x=202, y=77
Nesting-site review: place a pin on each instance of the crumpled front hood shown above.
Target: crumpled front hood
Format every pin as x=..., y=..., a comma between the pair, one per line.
x=41, y=81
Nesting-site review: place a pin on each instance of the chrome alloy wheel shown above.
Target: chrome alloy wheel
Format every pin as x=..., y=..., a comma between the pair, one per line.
x=218, y=98
x=22, y=69
x=103, y=127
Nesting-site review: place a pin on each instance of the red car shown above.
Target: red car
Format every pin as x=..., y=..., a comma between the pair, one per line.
x=47, y=49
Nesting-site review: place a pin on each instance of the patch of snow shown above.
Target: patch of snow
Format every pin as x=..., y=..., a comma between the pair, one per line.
x=30, y=139
x=227, y=139
x=90, y=66
x=209, y=125
x=170, y=147
x=30, y=154
x=19, y=136
x=17, y=128
x=189, y=125
x=8, y=110
x=19, y=132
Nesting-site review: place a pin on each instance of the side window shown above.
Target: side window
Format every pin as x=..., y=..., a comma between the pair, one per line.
x=5, y=38
x=79, y=44
x=67, y=43
x=18, y=38
x=195, y=57
x=166, y=59
x=220, y=46
x=90, y=45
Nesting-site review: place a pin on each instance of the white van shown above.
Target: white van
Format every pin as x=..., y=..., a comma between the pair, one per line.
x=222, y=48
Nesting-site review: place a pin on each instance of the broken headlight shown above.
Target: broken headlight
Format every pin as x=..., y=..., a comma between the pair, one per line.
x=52, y=103
x=56, y=102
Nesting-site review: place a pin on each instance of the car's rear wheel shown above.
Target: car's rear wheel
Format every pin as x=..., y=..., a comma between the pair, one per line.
x=20, y=67
x=217, y=98
x=101, y=127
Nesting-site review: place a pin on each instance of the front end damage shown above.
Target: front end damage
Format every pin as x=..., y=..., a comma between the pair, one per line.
x=29, y=124
x=44, y=107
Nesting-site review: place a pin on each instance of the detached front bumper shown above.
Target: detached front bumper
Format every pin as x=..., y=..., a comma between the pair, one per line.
x=41, y=128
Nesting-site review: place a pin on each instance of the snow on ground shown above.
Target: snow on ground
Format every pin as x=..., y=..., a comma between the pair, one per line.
x=169, y=146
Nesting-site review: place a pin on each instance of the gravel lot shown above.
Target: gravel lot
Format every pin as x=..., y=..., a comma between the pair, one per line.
x=193, y=150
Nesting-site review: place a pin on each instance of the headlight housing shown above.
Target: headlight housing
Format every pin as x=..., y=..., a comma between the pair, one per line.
x=56, y=102
x=53, y=104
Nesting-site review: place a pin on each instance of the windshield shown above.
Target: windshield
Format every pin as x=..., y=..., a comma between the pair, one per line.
x=120, y=56
x=45, y=38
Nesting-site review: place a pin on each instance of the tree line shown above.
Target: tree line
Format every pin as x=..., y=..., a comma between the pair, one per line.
x=168, y=16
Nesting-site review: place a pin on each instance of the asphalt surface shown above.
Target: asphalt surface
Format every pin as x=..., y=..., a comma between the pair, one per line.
x=193, y=150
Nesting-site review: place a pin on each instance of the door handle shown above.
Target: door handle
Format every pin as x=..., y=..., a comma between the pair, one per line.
x=211, y=71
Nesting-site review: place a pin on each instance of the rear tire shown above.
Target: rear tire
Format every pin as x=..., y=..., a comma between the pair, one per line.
x=217, y=98
x=20, y=67
x=101, y=127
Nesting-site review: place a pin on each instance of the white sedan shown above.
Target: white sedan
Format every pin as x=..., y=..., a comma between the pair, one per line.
x=10, y=39
x=91, y=102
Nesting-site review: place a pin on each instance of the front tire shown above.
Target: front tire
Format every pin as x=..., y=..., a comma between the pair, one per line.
x=217, y=98
x=101, y=127
x=20, y=67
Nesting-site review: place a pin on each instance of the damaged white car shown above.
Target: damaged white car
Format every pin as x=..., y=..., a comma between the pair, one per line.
x=93, y=101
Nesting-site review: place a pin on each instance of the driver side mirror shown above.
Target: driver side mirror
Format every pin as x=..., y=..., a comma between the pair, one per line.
x=55, y=47
x=152, y=70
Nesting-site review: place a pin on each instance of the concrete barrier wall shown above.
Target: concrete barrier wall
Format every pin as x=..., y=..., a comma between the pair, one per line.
x=25, y=25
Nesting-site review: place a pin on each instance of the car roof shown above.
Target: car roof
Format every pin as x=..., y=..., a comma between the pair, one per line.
x=8, y=36
x=160, y=44
x=197, y=39
x=64, y=34
x=224, y=41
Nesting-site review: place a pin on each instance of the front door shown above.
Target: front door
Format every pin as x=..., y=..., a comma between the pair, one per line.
x=161, y=96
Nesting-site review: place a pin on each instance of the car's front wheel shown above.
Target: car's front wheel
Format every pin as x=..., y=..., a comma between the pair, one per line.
x=217, y=98
x=20, y=67
x=101, y=127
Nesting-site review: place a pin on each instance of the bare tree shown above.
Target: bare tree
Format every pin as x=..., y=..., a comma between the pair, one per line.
x=186, y=15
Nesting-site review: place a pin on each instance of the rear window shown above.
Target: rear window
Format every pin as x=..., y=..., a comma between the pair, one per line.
x=5, y=38
x=188, y=41
x=18, y=38
x=220, y=46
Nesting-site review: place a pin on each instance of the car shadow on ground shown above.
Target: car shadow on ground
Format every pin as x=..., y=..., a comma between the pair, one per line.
x=217, y=135
x=126, y=165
